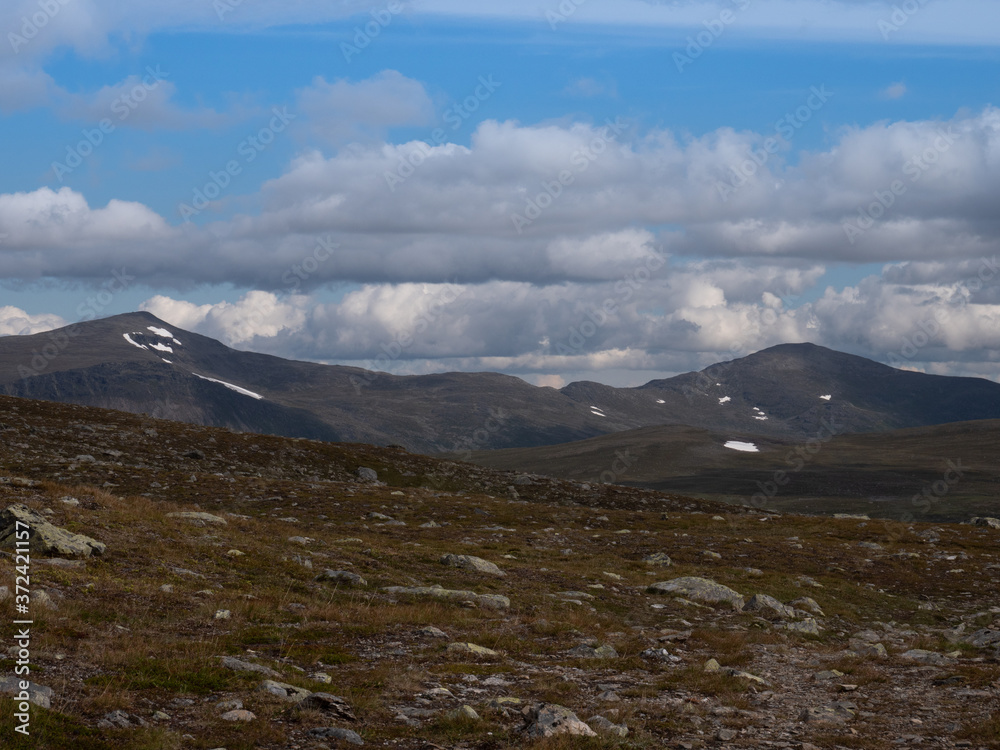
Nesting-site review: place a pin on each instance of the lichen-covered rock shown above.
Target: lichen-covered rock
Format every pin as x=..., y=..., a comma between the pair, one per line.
x=198, y=519
x=699, y=589
x=473, y=650
x=768, y=606
x=44, y=538
x=548, y=720
x=290, y=693
x=660, y=559
x=492, y=601
x=476, y=564
x=990, y=523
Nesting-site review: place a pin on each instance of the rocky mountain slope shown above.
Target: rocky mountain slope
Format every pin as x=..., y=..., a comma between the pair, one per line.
x=245, y=592
x=138, y=363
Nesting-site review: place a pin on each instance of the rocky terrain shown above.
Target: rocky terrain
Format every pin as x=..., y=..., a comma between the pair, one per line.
x=199, y=588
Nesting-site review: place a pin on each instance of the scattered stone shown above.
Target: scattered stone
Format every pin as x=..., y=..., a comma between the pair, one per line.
x=589, y=652
x=473, y=650
x=59, y=562
x=469, y=562
x=711, y=555
x=41, y=598
x=233, y=705
x=334, y=733
x=606, y=726
x=283, y=690
x=199, y=519
x=44, y=537
x=712, y=666
x=223, y=614
x=928, y=657
x=876, y=650
x=238, y=715
x=985, y=638
x=328, y=704
x=660, y=559
x=161, y=716
x=699, y=589
x=432, y=632
x=40, y=695
x=465, y=712
x=659, y=654
x=492, y=601
x=808, y=626
x=768, y=606
x=342, y=576
x=367, y=475
x=991, y=523
x=835, y=713
x=506, y=705
x=549, y=720
x=71, y=501
x=807, y=603
x=237, y=665
x=120, y=720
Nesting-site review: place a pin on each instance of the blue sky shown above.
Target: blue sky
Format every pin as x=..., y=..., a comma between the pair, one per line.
x=208, y=85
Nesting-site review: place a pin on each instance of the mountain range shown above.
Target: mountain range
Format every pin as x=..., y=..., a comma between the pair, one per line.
x=138, y=363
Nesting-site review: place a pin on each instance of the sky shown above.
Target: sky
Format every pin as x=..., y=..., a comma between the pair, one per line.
x=562, y=190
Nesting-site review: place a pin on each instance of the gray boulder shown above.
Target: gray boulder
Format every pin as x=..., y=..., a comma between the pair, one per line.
x=37, y=694
x=491, y=601
x=548, y=720
x=469, y=562
x=990, y=523
x=44, y=537
x=328, y=704
x=699, y=589
x=344, y=577
x=287, y=692
x=238, y=665
x=768, y=606
x=335, y=733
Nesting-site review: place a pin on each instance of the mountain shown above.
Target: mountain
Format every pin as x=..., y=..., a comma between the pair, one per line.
x=138, y=363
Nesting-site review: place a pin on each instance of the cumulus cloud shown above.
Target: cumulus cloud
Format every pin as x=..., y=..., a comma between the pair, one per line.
x=16, y=322
x=341, y=111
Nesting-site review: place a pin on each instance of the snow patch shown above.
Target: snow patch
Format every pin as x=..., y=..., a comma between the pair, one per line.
x=167, y=361
x=724, y=400
x=133, y=342
x=826, y=398
x=162, y=348
x=231, y=387
x=738, y=445
x=598, y=414
x=160, y=332
x=660, y=401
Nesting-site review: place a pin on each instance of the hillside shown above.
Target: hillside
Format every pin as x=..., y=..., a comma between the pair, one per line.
x=292, y=604
x=879, y=474
x=141, y=364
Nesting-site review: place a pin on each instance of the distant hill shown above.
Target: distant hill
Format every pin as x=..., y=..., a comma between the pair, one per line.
x=138, y=363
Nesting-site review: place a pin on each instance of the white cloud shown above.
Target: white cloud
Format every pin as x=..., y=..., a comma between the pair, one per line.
x=16, y=322
x=895, y=91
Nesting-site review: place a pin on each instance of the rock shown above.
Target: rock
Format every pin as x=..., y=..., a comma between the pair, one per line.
x=473, y=650
x=870, y=545
x=161, y=716
x=862, y=648
x=71, y=501
x=768, y=606
x=928, y=657
x=659, y=654
x=334, y=733
x=342, y=576
x=549, y=720
x=835, y=713
x=468, y=562
x=44, y=537
x=606, y=726
x=367, y=475
x=432, y=632
x=40, y=695
x=808, y=626
x=59, y=562
x=238, y=715
x=523, y=480
x=283, y=690
x=660, y=559
x=233, y=705
x=120, y=720
x=506, y=705
x=237, y=665
x=589, y=652
x=465, y=712
x=725, y=735
x=321, y=677
x=829, y=674
x=328, y=704
x=699, y=589
x=222, y=614
x=492, y=601
x=199, y=519
x=985, y=638
x=991, y=523
x=41, y=598
x=808, y=604
x=711, y=555
x=712, y=666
